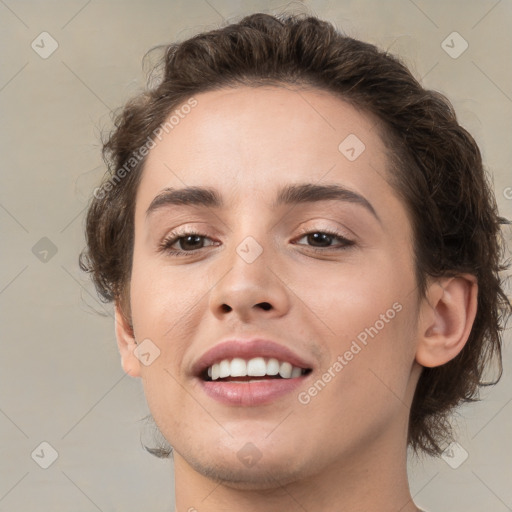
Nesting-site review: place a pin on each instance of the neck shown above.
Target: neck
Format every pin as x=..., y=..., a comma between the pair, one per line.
x=371, y=479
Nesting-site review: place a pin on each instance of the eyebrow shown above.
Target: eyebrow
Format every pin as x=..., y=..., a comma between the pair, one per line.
x=293, y=194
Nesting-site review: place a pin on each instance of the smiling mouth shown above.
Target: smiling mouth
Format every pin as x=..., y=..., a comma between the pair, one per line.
x=252, y=370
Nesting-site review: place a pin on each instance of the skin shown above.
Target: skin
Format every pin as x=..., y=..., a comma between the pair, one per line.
x=345, y=450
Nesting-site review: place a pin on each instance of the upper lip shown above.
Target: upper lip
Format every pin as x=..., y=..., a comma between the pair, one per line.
x=248, y=349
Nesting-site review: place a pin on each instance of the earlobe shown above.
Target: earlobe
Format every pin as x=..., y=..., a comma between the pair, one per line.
x=446, y=318
x=126, y=343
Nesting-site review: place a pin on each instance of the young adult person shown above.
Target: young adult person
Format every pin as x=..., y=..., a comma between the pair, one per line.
x=303, y=250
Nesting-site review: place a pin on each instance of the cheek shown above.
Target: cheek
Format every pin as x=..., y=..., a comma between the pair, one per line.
x=362, y=313
x=162, y=295
x=161, y=306
x=347, y=297
x=163, y=301
x=363, y=387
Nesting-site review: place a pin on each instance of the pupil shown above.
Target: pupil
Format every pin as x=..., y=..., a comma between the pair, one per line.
x=320, y=237
x=184, y=242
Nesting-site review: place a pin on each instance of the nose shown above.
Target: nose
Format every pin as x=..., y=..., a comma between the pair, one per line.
x=249, y=287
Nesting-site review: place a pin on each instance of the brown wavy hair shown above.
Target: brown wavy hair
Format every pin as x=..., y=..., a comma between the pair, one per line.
x=434, y=165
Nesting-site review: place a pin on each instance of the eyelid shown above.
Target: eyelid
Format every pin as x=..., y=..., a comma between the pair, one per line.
x=175, y=235
x=334, y=233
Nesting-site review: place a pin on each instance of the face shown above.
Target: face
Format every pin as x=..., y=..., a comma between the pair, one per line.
x=325, y=274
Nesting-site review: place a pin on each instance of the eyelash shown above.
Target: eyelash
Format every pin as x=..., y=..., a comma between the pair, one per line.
x=175, y=236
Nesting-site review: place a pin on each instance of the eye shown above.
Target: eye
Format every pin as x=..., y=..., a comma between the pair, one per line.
x=188, y=242
x=325, y=238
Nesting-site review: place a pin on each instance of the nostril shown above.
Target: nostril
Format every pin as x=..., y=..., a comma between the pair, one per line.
x=264, y=305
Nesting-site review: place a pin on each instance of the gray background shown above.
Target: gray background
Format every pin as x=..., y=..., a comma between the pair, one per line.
x=61, y=380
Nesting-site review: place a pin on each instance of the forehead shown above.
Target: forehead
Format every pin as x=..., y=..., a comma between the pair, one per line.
x=258, y=138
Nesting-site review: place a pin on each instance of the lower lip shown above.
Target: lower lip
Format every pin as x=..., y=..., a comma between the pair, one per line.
x=250, y=393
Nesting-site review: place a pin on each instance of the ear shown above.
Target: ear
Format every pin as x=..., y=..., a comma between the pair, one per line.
x=446, y=318
x=126, y=343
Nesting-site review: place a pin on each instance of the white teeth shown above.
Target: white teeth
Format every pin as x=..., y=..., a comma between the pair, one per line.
x=255, y=367
x=238, y=368
x=272, y=367
x=225, y=369
x=296, y=372
x=285, y=370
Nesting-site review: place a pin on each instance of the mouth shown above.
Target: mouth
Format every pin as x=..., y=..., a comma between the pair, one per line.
x=250, y=373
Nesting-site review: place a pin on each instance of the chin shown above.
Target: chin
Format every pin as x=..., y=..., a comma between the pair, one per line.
x=265, y=474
